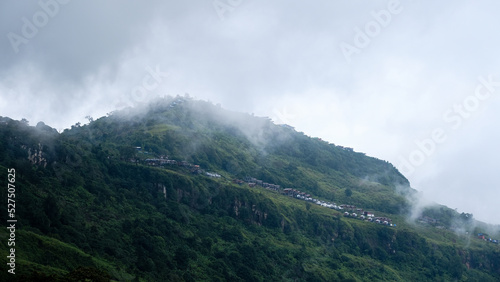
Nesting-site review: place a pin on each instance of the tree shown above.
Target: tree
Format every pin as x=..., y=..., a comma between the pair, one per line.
x=348, y=192
x=126, y=152
x=91, y=119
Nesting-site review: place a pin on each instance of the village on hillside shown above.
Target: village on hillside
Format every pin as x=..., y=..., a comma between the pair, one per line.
x=486, y=238
x=350, y=211
x=195, y=169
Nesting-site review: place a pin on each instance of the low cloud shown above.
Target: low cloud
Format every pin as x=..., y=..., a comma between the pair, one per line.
x=273, y=59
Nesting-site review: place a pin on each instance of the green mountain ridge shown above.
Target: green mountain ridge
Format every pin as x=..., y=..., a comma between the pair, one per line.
x=100, y=201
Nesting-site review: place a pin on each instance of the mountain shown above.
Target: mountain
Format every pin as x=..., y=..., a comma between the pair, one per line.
x=183, y=190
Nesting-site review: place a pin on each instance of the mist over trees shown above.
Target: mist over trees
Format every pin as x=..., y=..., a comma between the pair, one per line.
x=96, y=204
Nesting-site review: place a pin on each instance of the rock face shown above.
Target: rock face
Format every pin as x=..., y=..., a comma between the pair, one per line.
x=35, y=156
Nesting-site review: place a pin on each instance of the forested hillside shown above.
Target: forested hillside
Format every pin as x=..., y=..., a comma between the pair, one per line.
x=183, y=190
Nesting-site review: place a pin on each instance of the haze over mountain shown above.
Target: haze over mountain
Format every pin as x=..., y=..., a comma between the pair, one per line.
x=182, y=189
x=412, y=72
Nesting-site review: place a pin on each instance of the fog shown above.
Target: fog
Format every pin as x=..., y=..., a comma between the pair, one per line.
x=413, y=83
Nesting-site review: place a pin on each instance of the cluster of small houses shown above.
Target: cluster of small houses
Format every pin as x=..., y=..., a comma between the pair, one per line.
x=482, y=236
x=165, y=161
x=433, y=221
x=349, y=210
x=252, y=182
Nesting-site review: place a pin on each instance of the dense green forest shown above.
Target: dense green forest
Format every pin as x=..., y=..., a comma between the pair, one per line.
x=99, y=201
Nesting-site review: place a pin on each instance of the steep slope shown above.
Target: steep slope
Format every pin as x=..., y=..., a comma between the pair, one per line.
x=103, y=196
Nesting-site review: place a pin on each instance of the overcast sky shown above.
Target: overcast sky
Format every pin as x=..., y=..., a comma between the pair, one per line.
x=412, y=82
